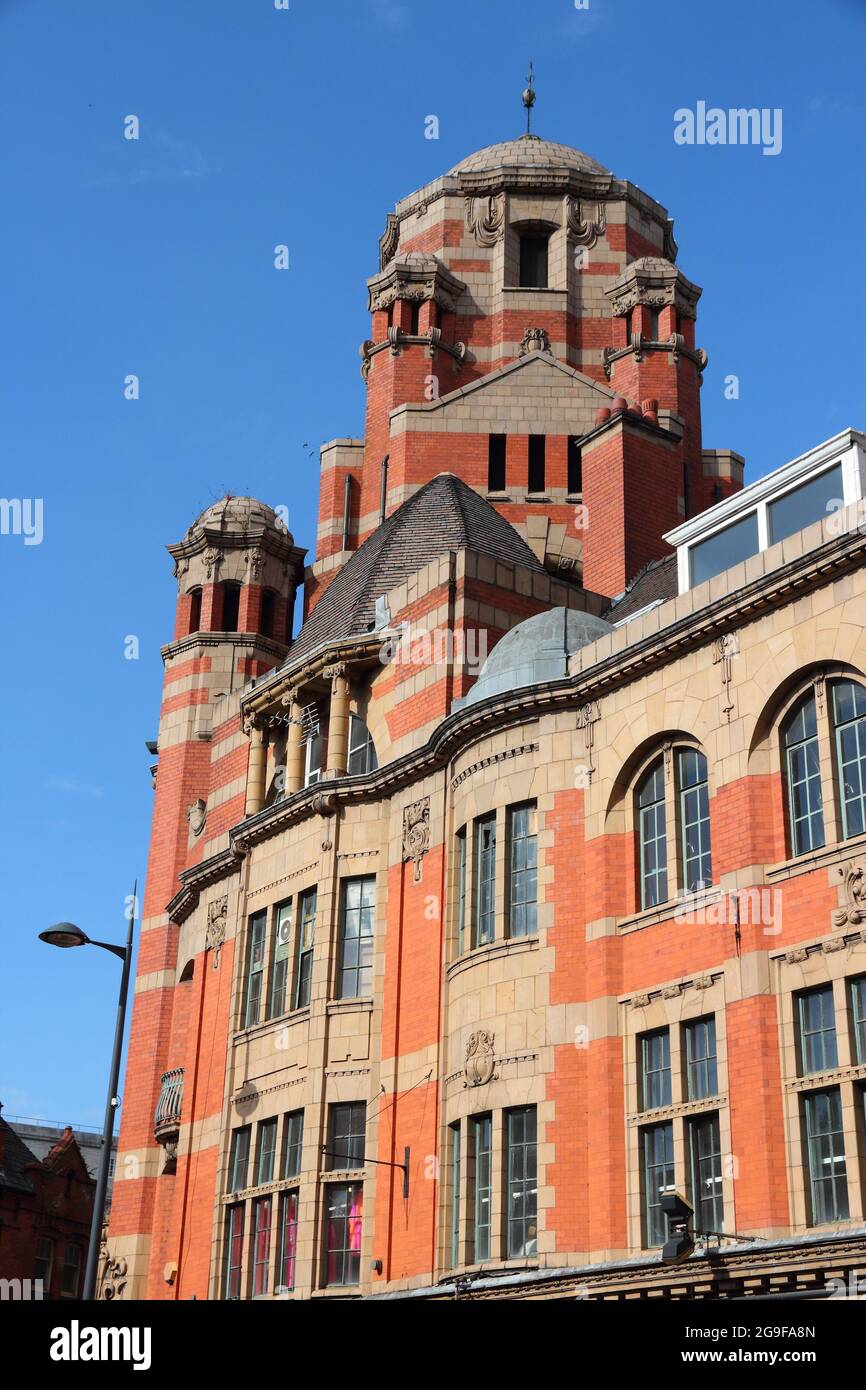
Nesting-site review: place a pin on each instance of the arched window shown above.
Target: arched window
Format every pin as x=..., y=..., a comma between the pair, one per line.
x=194, y=610
x=231, y=607
x=652, y=836
x=849, y=724
x=362, y=751
x=694, y=824
x=269, y=601
x=803, y=775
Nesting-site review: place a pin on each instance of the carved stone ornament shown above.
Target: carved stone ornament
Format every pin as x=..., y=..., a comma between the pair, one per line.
x=853, y=912
x=416, y=834
x=181, y=565
x=534, y=340
x=480, y=1061
x=215, y=934
x=485, y=218
x=256, y=561
x=212, y=560
x=389, y=240
x=112, y=1276
x=585, y=226
x=324, y=803
x=196, y=814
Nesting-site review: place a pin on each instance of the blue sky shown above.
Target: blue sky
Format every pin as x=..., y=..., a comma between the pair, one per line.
x=155, y=257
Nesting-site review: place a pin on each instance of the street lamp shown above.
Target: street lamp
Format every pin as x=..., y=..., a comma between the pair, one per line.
x=66, y=935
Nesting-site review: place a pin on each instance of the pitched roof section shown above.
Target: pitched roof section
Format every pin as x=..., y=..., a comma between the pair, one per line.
x=656, y=581
x=445, y=514
x=15, y=1159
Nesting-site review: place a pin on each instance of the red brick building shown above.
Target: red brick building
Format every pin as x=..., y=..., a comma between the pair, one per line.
x=46, y=1206
x=523, y=886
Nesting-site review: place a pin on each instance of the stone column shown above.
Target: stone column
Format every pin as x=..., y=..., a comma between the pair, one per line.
x=294, y=742
x=338, y=723
x=256, y=770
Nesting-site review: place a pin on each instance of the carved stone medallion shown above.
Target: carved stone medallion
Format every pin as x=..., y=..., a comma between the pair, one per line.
x=416, y=834
x=215, y=935
x=480, y=1061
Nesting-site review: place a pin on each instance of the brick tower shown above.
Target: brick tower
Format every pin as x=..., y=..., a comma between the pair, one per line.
x=237, y=570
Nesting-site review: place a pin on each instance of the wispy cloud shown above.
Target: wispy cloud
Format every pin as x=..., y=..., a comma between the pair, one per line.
x=155, y=157
x=73, y=787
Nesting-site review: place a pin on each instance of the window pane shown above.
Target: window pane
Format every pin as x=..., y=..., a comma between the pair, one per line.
x=533, y=261
x=455, y=1195
x=306, y=936
x=255, y=968
x=496, y=463
x=803, y=505
x=705, y=1164
x=724, y=549
x=281, y=953
x=535, y=474
x=261, y=1245
x=817, y=1018
x=71, y=1276
x=658, y=1178
x=462, y=877
x=344, y=1208
x=523, y=889
x=701, y=1066
x=356, y=963
x=849, y=719
x=293, y=1144
x=805, y=802
x=347, y=1129
x=234, y=1251
x=825, y=1144
x=239, y=1161
x=521, y=1163
x=694, y=819
x=362, y=753
x=485, y=885
x=652, y=836
x=267, y=1148
x=655, y=1056
x=858, y=1018
x=482, y=1133
x=288, y=1241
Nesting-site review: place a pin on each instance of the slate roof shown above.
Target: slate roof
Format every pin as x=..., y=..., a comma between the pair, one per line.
x=445, y=514
x=657, y=580
x=15, y=1160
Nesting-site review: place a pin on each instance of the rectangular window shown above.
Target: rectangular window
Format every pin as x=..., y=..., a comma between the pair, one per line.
x=658, y=1178
x=655, y=1069
x=522, y=1178
x=694, y=819
x=356, y=954
x=266, y=1150
x=575, y=465
x=313, y=753
x=293, y=1141
x=705, y=1172
x=653, y=837
x=71, y=1273
x=701, y=1067
x=344, y=1213
x=255, y=968
x=482, y=1160
x=533, y=262
x=811, y=501
x=44, y=1263
x=282, y=947
x=825, y=1148
x=535, y=476
x=347, y=1131
x=306, y=939
x=485, y=881
x=724, y=549
x=239, y=1160
x=234, y=1251
x=461, y=891
x=454, y=1131
x=816, y=1015
x=523, y=874
x=496, y=462
x=287, y=1235
x=261, y=1245
x=858, y=1019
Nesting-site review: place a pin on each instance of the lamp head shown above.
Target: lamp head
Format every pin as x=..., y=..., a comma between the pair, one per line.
x=64, y=934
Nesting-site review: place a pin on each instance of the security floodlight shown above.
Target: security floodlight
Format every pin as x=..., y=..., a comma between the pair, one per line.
x=681, y=1241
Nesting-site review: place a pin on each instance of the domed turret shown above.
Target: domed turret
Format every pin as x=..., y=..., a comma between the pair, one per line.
x=536, y=650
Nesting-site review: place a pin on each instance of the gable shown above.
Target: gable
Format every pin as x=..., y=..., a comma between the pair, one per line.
x=536, y=394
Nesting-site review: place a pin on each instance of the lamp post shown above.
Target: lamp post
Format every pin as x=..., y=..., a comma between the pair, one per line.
x=66, y=935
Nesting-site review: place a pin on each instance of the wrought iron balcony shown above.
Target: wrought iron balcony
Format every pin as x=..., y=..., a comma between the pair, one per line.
x=166, y=1121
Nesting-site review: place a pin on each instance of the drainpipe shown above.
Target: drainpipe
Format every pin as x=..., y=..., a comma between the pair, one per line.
x=383, y=491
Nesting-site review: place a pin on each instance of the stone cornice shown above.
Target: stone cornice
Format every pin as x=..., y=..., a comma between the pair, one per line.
x=224, y=639
x=415, y=276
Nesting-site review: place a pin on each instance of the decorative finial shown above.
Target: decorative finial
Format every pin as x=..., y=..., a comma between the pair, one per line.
x=529, y=97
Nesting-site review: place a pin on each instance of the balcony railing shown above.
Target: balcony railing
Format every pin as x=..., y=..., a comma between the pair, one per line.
x=166, y=1121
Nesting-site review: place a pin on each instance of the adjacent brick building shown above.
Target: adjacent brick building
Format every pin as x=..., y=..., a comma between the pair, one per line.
x=46, y=1206
x=523, y=885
